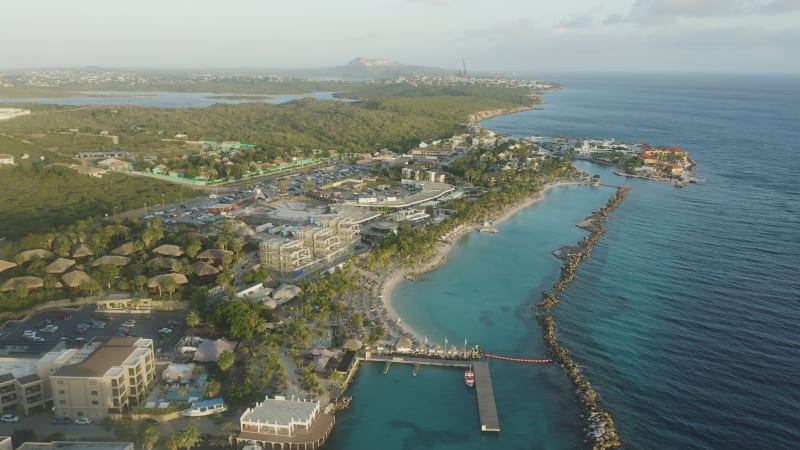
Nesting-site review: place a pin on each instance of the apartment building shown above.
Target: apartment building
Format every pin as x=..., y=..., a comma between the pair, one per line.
x=284, y=255
x=113, y=378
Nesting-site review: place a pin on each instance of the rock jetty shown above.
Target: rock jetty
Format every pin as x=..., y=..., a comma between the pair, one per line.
x=600, y=430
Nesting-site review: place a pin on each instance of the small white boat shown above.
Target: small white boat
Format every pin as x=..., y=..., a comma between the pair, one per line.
x=205, y=408
x=469, y=377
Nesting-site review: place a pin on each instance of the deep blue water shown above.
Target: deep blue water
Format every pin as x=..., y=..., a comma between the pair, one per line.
x=165, y=99
x=685, y=319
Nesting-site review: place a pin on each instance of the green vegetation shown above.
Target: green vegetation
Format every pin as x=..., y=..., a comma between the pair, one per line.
x=43, y=197
x=38, y=198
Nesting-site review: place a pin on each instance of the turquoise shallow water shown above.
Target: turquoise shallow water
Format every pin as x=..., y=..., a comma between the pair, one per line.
x=481, y=294
x=684, y=319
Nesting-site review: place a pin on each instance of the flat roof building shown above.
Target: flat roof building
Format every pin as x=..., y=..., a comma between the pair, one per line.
x=278, y=422
x=284, y=255
x=114, y=377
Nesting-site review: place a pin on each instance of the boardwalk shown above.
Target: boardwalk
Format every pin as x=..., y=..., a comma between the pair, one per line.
x=487, y=409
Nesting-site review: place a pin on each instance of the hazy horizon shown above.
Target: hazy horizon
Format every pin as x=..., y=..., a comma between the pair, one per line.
x=703, y=36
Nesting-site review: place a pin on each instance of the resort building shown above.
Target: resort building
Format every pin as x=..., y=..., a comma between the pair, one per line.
x=281, y=423
x=115, y=376
x=284, y=255
x=321, y=241
x=345, y=227
x=22, y=395
x=25, y=382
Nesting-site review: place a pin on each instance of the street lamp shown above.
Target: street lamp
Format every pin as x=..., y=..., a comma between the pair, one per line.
x=163, y=205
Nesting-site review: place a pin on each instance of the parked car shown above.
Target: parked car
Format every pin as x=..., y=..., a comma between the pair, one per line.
x=49, y=329
x=61, y=421
x=9, y=418
x=83, y=421
x=129, y=323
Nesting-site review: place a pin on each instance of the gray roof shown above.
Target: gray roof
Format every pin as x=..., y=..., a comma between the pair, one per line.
x=280, y=411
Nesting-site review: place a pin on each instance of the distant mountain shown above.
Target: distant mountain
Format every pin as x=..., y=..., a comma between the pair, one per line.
x=377, y=69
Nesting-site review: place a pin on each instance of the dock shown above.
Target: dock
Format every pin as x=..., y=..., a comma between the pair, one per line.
x=487, y=407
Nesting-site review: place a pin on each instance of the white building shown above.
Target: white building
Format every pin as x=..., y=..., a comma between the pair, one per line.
x=281, y=423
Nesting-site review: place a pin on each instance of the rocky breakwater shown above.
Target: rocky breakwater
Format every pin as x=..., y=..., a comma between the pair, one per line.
x=601, y=432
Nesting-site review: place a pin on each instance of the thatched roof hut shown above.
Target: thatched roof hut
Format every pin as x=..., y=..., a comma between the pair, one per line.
x=81, y=251
x=124, y=249
x=29, y=282
x=60, y=265
x=5, y=265
x=168, y=250
x=162, y=263
x=286, y=292
x=75, y=278
x=155, y=282
x=111, y=260
x=191, y=236
x=403, y=345
x=353, y=344
x=202, y=269
x=213, y=254
x=270, y=303
x=28, y=255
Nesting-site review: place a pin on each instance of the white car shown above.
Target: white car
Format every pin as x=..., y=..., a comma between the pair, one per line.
x=9, y=418
x=83, y=421
x=27, y=333
x=129, y=323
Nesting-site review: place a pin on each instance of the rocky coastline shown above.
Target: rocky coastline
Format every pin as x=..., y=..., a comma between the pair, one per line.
x=601, y=432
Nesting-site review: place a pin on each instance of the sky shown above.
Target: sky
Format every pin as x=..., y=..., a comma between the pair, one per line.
x=731, y=36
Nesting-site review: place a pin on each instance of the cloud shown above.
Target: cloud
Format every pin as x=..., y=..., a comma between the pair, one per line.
x=781, y=6
x=517, y=29
x=648, y=12
x=579, y=21
x=665, y=11
x=735, y=39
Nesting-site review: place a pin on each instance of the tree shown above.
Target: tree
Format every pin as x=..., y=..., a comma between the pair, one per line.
x=174, y=442
x=212, y=389
x=168, y=284
x=226, y=360
x=355, y=321
x=90, y=287
x=225, y=278
x=106, y=274
x=376, y=334
x=193, y=319
x=189, y=437
x=193, y=248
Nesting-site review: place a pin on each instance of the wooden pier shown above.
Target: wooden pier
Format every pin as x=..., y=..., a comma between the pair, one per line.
x=487, y=407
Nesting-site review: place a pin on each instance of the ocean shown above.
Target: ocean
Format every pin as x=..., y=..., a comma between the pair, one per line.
x=684, y=319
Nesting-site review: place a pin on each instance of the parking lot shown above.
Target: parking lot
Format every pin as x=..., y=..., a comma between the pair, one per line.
x=42, y=332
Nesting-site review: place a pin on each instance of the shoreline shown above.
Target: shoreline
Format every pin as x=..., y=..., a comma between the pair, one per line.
x=446, y=244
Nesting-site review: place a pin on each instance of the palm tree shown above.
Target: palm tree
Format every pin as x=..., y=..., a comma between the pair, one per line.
x=193, y=319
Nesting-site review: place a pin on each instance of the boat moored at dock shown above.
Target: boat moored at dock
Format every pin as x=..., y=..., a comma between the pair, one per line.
x=205, y=408
x=469, y=377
